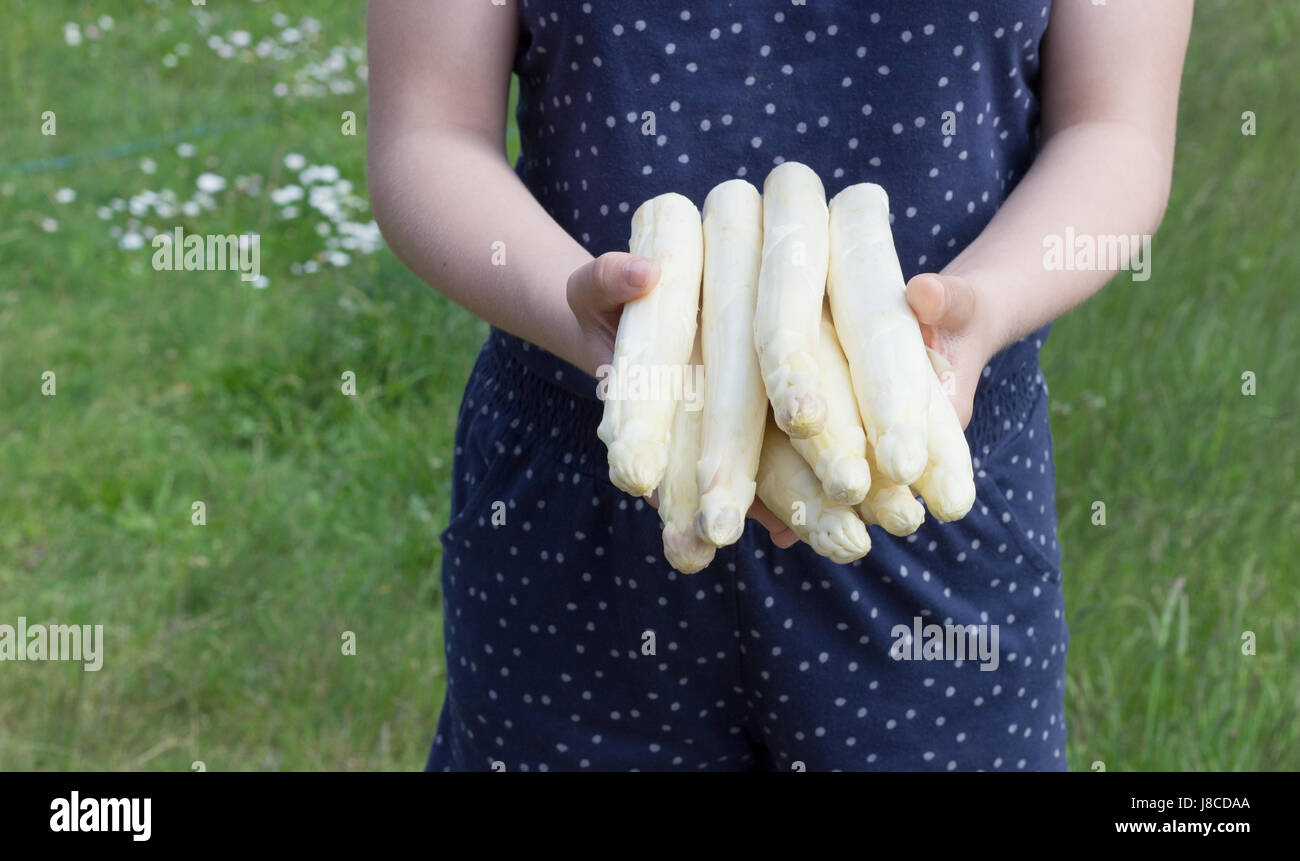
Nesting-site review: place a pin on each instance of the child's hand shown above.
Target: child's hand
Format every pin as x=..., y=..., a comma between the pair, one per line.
x=953, y=326
x=598, y=290
x=782, y=535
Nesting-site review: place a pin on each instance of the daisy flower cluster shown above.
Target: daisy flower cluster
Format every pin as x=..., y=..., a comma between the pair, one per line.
x=339, y=211
x=315, y=196
x=314, y=192
x=309, y=69
x=74, y=33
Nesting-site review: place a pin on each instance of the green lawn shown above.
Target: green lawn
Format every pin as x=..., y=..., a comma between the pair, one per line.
x=223, y=640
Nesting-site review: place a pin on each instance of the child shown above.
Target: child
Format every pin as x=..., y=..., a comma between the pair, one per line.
x=992, y=126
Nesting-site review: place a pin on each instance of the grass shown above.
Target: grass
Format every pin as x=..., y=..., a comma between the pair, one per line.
x=1199, y=480
x=224, y=641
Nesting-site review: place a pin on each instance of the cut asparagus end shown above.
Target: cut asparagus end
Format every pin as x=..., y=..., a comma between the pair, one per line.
x=637, y=467
x=902, y=454
x=801, y=415
x=895, y=510
x=719, y=521
x=841, y=537
x=798, y=403
x=685, y=550
x=847, y=480
x=949, y=494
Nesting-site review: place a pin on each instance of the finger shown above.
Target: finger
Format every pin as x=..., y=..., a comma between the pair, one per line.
x=925, y=297
x=611, y=280
x=785, y=538
x=947, y=377
x=782, y=535
x=942, y=301
x=938, y=361
x=764, y=515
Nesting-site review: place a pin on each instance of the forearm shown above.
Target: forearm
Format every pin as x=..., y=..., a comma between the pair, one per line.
x=443, y=198
x=1098, y=179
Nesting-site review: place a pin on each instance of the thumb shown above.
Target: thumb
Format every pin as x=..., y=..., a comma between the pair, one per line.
x=941, y=301
x=612, y=279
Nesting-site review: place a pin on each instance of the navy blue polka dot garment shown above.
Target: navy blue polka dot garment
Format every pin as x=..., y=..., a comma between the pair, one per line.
x=571, y=644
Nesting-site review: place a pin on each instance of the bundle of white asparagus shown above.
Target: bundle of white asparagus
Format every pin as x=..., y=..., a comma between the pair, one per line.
x=818, y=397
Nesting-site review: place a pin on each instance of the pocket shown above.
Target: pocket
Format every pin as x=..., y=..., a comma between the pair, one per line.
x=1014, y=527
x=492, y=482
x=491, y=454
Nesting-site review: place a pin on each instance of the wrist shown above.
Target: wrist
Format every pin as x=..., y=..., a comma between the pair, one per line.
x=582, y=347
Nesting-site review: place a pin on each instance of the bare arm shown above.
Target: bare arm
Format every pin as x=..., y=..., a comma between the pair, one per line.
x=1110, y=103
x=441, y=188
x=443, y=193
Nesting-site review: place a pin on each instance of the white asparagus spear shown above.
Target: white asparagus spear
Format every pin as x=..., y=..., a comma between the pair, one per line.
x=948, y=483
x=679, y=494
x=879, y=332
x=791, y=285
x=893, y=507
x=655, y=335
x=788, y=487
x=838, y=455
x=735, y=405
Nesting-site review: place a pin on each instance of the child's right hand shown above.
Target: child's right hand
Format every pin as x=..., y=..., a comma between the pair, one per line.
x=597, y=291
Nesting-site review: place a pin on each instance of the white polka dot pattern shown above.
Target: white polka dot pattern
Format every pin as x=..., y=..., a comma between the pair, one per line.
x=767, y=659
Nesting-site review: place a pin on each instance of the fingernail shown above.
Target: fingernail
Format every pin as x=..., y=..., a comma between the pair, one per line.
x=636, y=273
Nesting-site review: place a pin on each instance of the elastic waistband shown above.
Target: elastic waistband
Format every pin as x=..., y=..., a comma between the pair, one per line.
x=546, y=414
x=547, y=366
x=556, y=404
x=1006, y=396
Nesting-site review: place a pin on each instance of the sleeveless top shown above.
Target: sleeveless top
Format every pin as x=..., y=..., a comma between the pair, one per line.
x=938, y=103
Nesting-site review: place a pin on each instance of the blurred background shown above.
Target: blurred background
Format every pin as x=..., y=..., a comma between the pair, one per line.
x=223, y=641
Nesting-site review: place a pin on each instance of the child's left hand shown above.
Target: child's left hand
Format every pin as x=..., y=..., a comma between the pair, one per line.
x=954, y=326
